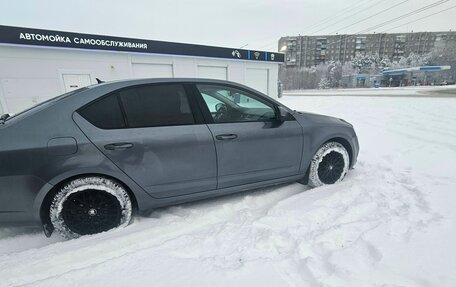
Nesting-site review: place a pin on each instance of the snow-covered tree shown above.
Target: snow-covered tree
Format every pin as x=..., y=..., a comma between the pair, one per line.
x=370, y=64
x=383, y=64
x=334, y=73
x=324, y=84
x=413, y=60
x=310, y=77
x=347, y=69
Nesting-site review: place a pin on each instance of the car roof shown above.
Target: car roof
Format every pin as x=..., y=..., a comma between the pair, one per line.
x=132, y=82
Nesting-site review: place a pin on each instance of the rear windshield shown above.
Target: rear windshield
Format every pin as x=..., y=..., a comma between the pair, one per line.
x=45, y=104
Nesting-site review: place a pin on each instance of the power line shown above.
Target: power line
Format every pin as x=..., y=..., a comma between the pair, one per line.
x=427, y=16
x=427, y=7
x=409, y=14
x=370, y=17
x=406, y=15
x=348, y=17
x=337, y=15
x=275, y=44
x=328, y=19
x=268, y=45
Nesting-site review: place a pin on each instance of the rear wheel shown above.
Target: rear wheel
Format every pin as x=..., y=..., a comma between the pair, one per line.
x=329, y=165
x=90, y=205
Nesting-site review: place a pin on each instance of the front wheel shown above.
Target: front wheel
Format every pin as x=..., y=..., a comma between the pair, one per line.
x=90, y=205
x=329, y=165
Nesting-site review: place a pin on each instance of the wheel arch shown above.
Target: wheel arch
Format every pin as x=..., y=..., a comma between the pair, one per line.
x=339, y=139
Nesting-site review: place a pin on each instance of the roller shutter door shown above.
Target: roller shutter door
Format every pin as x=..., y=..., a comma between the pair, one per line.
x=152, y=70
x=212, y=72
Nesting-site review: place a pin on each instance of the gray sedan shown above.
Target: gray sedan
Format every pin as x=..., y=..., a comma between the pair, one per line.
x=86, y=161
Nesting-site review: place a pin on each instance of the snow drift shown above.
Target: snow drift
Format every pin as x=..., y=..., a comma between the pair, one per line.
x=391, y=222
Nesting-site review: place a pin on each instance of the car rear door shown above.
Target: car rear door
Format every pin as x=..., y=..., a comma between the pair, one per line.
x=252, y=145
x=156, y=135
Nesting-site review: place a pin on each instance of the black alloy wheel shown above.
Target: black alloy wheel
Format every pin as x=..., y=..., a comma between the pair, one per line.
x=91, y=211
x=331, y=167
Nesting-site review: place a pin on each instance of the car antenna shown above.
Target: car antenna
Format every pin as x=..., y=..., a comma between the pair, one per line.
x=99, y=81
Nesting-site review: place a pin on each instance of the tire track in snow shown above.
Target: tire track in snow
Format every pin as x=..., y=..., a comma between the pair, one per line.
x=303, y=241
x=64, y=257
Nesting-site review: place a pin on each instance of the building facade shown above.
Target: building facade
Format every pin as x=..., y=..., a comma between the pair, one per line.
x=36, y=65
x=307, y=51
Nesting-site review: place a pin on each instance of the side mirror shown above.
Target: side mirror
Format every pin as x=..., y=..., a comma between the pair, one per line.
x=281, y=114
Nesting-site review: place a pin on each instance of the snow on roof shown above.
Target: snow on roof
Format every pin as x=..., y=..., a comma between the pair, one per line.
x=414, y=69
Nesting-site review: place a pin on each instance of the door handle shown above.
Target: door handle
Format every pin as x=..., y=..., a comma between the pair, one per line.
x=226, y=137
x=118, y=146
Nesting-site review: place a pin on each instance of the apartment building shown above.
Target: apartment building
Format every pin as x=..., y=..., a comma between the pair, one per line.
x=307, y=51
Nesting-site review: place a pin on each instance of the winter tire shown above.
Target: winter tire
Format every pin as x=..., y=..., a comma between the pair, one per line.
x=329, y=164
x=90, y=205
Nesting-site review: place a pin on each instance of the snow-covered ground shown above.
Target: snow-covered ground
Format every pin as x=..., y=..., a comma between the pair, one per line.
x=415, y=91
x=391, y=222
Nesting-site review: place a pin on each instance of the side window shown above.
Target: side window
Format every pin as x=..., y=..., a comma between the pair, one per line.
x=156, y=105
x=104, y=113
x=232, y=105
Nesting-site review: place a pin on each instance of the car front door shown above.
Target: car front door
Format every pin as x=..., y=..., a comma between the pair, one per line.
x=252, y=145
x=154, y=135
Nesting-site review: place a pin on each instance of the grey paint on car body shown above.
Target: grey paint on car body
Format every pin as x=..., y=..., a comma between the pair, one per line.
x=51, y=143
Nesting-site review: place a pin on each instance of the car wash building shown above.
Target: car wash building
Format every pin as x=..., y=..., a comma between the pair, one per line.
x=36, y=65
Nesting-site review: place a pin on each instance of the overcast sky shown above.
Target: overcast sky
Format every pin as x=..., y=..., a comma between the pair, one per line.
x=230, y=23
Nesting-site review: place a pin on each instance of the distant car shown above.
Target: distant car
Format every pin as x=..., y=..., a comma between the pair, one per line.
x=84, y=162
x=446, y=83
x=443, y=83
